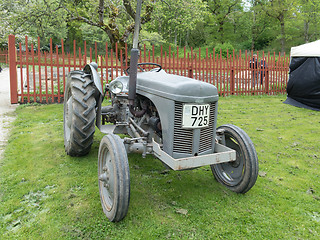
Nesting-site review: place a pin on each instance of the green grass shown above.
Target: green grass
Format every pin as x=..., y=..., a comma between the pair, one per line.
x=46, y=194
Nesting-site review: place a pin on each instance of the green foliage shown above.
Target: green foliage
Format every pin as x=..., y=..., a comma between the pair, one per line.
x=150, y=39
x=225, y=48
x=84, y=32
x=248, y=25
x=175, y=19
x=223, y=17
x=198, y=36
x=34, y=18
x=46, y=194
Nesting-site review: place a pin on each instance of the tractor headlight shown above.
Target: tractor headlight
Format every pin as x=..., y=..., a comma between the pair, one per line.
x=116, y=87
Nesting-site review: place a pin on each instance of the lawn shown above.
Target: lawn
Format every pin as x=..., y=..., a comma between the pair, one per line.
x=46, y=194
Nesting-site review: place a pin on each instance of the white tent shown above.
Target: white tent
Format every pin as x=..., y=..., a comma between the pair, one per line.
x=306, y=50
x=303, y=86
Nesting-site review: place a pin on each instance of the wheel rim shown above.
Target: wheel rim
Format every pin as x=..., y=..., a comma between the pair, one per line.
x=68, y=116
x=231, y=173
x=106, y=179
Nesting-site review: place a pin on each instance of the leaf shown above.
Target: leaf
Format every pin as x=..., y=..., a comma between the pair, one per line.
x=310, y=191
x=182, y=211
x=315, y=216
x=262, y=174
x=15, y=223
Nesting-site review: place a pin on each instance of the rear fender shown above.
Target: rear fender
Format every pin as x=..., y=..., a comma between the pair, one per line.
x=92, y=70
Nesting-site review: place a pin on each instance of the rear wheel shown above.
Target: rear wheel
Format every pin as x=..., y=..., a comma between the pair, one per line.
x=114, y=177
x=79, y=113
x=241, y=174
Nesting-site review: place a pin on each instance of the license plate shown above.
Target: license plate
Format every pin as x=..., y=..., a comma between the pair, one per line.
x=195, y=115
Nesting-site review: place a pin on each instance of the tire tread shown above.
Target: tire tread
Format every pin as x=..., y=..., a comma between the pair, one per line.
x=82, y=90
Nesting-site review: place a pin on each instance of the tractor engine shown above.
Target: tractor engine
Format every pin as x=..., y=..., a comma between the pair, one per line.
x=178, y=111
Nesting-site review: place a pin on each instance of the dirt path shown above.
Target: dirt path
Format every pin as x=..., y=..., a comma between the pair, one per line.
x=6, y=109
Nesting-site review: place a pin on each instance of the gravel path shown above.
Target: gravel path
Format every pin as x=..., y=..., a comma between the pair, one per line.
x=6, y=109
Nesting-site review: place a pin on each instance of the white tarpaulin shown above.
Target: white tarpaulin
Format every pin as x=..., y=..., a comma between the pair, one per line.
x=306, y=50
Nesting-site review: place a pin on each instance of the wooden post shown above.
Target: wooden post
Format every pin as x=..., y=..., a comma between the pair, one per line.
x=190, y=72
x=13, y=69
x=232, y=82
x=267, y=81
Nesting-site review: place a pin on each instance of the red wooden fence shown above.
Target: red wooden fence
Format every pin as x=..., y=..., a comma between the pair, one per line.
x=4, y=56
x=41, y=76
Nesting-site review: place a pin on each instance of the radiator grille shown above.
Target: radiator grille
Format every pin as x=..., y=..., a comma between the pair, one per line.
x=206, y=134
x=183, y=138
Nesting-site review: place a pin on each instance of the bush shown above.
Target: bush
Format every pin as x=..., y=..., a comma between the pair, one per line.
x=224, y=48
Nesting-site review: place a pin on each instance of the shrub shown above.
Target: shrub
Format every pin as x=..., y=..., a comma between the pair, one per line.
x=224, y=48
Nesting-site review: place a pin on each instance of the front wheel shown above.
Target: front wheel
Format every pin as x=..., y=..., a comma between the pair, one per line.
x=241, y=174
x=114, y=177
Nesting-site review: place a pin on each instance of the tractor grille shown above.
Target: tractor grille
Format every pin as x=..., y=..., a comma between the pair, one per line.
x=183, y=138
x=206, y=134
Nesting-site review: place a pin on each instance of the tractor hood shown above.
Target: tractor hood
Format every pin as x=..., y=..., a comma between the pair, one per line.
x=174, y=87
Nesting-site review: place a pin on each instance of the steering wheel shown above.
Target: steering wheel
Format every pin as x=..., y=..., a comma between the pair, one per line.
x=146, y=63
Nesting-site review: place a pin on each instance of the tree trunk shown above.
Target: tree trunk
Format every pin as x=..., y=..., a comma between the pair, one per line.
x=187, y=38
x=175, y=37
x=306, y=31
x=282, y=40
x=253, y=30
x=220, y=31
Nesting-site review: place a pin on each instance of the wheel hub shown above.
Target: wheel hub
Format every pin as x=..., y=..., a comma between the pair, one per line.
x=236, y=163
x=104, y=177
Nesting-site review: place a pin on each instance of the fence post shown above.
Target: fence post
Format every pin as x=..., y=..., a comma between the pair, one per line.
x=190, y=72
x=267, y=81
x=232, y=83
x=13, y=69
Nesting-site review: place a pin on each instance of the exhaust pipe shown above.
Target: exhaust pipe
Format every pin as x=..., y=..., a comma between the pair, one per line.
x=133, y=74
x=134, y=65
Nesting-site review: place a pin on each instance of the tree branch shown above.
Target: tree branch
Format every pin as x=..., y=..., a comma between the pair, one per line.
x=127, y=32
x=129, y=9
x=83, y=19
x=101, y=11
x=147, y=15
